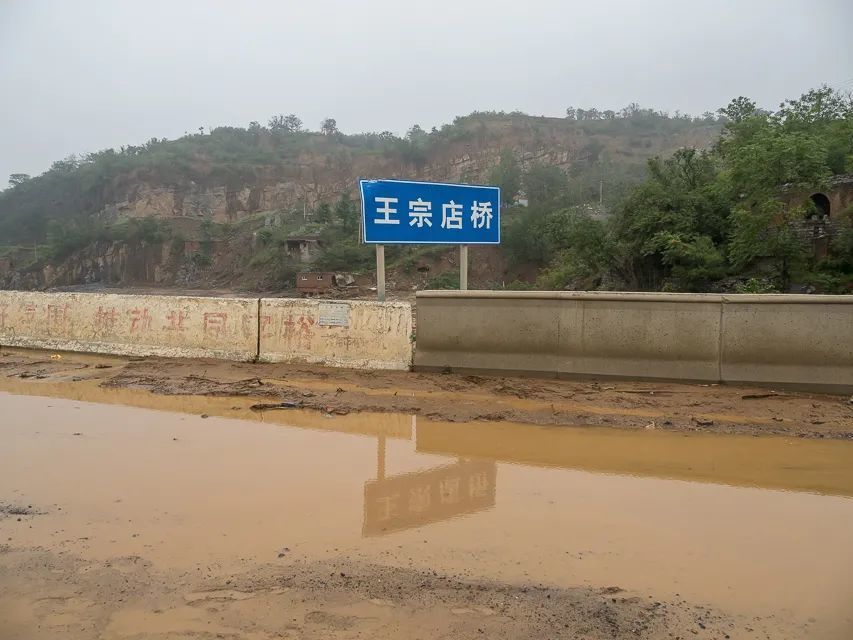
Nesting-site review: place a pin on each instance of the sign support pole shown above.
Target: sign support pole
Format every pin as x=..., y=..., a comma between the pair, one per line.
x=380, y=457
x=380, y=272
x=463, y=267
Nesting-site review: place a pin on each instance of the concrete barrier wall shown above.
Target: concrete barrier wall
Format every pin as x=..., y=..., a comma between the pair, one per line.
x=356, y=334
x=778, y=340
x=641, y=338
x=804, y=341
x=171, y=326
x=488, y=333
x=348, y=333
x=793, y=340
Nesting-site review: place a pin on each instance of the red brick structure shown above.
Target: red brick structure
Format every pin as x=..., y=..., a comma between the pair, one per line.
x=310, y=283
x=829, y=206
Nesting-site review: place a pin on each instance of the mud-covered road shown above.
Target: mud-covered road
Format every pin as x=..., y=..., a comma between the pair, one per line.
x=455, y=398
x=154, y=499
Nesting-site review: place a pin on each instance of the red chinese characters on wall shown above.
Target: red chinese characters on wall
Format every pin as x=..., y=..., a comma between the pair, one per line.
x=140, y=320
x=29, y=313
x=300, y=330
x=305, y=332
x=57, y=316
x=248, y=324
x=175, y=320
x=266, y=327
x=105, y=319
x=215, y=324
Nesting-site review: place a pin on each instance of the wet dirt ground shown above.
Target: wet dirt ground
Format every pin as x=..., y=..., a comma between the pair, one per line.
x=134, y=506
x=455, y=398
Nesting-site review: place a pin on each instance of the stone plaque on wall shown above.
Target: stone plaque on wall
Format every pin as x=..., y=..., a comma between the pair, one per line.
x=333, y=314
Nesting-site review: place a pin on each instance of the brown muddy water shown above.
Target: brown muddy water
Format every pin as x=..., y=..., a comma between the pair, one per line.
x=755, y=526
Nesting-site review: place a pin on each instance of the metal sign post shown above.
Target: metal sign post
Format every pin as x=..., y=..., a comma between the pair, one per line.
x=380, y=272
x=408, y=212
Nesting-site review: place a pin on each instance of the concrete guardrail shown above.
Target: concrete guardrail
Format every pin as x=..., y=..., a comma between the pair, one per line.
x=795, y=340
x=357, y=334
x=170, y=326
x=804, y=341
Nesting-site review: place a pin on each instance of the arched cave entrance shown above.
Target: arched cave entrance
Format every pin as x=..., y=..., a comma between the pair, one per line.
x=821, y=205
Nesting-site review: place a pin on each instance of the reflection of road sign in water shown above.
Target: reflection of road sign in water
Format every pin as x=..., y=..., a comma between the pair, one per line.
x=415, y=499
x=403, y=212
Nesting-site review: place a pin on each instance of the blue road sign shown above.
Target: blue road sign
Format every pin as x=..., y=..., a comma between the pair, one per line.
x=405, y=212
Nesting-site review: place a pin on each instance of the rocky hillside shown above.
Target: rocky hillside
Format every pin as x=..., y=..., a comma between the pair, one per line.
x=274, y=180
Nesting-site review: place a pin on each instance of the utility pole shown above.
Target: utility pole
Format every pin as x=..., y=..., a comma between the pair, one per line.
x=601, y=194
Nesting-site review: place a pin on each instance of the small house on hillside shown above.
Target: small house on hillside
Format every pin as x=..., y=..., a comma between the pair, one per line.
x=310, y=283
x=303, y=248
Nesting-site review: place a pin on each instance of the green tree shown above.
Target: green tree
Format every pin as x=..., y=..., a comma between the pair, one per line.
x=773, y=157
x=416, y=134
x=346, y=215
x=544, y=183
x=329, y=127
x=694, y=261
x=823, y=105
x=18, y=178
x=525, y=238
x=584, y=250
x=285, y=124
x=341, y=245
x=507, y=176
x=292, y=123
x=324, y=213
x=674, y=226
x=827, y=114
x=768, y=232
x=739, y=110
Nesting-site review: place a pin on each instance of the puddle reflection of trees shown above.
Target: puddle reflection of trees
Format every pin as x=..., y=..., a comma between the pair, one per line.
x=809, y=465
x=467, y=486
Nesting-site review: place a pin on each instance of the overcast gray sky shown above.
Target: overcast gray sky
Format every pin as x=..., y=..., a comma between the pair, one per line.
x=85, y=75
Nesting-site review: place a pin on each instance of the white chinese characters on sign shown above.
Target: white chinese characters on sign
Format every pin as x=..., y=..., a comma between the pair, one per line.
x=481, y=215
x=451, y=215
x=420, y=213
x=386, y=211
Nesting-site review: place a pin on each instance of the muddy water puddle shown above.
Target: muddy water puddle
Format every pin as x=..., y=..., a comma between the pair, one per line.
x=761, y=526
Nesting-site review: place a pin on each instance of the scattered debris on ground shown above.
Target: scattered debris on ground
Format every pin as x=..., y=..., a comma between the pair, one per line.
x=458, y=398
x=8, y=510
